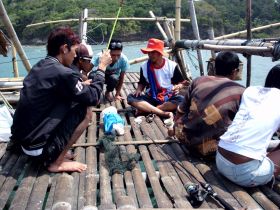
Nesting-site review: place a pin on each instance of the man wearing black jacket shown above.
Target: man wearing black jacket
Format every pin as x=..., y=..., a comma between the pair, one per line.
x=53, y=110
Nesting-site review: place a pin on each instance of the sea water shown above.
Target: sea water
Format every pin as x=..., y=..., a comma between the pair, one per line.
x=260, y=65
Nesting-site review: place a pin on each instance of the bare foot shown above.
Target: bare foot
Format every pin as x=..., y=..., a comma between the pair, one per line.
x=67, y=166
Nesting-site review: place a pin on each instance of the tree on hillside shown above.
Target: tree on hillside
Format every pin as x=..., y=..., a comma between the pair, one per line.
x=226, y=16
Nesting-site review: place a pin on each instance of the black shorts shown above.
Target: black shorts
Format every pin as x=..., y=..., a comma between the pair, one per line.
x=60, y=138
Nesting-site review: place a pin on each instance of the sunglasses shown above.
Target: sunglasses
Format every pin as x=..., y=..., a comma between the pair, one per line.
x=87, y=60
x=115, y=45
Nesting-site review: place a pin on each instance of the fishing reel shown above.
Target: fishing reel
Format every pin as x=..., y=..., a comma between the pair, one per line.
x=150, y=118
x=196, y=195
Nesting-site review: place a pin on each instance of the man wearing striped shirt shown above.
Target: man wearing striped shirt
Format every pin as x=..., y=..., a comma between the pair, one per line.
x=210, y=105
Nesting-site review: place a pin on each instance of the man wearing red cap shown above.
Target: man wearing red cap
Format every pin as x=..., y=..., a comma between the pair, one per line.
x=162, y=79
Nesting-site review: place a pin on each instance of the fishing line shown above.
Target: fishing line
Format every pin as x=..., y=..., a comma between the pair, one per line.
x=7, y=104
x=191, y=60
x=115, y=23
x=96, y=27
x=197, y=196
x=22, y=60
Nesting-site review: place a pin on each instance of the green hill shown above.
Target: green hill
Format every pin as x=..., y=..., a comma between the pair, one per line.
x=224, y=15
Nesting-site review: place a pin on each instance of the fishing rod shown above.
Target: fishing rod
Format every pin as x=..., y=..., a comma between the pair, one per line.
x=115, y=23
x=196, y=195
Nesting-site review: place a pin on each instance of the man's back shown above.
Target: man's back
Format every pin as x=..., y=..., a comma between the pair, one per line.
x=44, y=89
x=210, y=106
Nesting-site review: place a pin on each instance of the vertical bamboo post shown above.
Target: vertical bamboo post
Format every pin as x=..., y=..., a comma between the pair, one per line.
x=84, y=23
x=196, y=33
x=159, y=26
x=14, y=59
x=167, y=30
x=81, y=25
x=172, y=28
x=178, y=20
x=13, y=36
x=179, y=57
x=249, y=37
x=211, y=36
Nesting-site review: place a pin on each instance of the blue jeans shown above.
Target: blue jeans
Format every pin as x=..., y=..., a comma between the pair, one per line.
x=249, y=174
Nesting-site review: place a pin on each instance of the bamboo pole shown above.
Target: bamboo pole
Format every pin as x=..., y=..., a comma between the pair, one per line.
x=171, y=25
x=13, y=83
x=79, y=179
x=63, y=198
x=245, y=31
x=177, y=21
x=199, y=44
x=183, y=68
x=6, y=79
x=4, y=44
x=14, y=59
x=212, y=36
x=91, y=161
x=241, y=49
x=24, y=190
x=196, y=34
x=81, y=25
x=262, y=199
x=11, y=88
x=130, y=142
x=218, y=188
x=249, y=37
x=144, y=58
x=159, y=26
x=7, y=23
x=167, y=30
x=40, y=187
x=169, y=183
x=238, y=192
x=106, y=19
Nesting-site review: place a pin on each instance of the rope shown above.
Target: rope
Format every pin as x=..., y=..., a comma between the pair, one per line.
x=114, y=26
x=7, y=104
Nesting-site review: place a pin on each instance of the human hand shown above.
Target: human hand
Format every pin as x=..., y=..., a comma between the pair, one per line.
x=176, y=88
x=87, y=82
x=137, y=93
x=104, y=60
x=118, y=98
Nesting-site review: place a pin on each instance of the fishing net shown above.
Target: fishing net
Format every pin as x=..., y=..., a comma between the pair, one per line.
x=116, y=161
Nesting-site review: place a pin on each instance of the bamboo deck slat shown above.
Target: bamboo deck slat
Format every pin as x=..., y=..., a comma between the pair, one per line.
x=91, y=161
x=157, y=181
x=40, y=187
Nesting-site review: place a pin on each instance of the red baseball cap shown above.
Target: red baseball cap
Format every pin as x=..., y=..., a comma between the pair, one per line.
x=154, y=45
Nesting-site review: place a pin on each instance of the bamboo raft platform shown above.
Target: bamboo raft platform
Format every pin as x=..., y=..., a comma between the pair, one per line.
x=157, y=181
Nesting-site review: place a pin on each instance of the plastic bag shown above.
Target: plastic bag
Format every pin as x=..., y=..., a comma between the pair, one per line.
x=113, y=123
x=6, y=122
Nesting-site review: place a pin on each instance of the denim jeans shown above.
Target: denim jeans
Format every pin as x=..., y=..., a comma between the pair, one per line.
x=249, y=174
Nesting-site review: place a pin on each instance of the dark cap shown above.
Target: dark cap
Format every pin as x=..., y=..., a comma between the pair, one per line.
x=84, y=51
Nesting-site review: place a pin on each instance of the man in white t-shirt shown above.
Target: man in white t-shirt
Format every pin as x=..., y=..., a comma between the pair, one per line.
x=242, y=151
